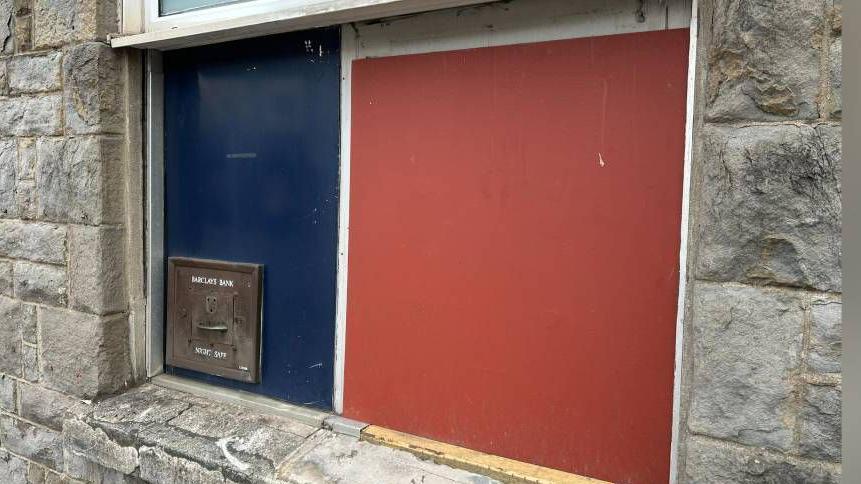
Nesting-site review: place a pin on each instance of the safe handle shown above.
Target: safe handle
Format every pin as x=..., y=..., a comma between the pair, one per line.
x=222, y=327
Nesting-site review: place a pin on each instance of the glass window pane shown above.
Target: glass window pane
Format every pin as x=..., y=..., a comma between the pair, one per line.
x=167, y=7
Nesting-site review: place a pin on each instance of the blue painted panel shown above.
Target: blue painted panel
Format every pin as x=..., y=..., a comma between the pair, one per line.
x=251, y=175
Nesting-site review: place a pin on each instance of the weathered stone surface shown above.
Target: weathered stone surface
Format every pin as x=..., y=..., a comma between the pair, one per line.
x=203, y=450
x=98, y=447
x=4, y=82
x=24, y=33
x=5, y=278
x=48, y=407
x=8, y=155
x=6, y=39
x=820, y=423
x=719, y=463
x=12, y=312
x=138, y=407
x=834, y=102
x=80, y=467
x=337, y=458
x=38, y=242
x=40, y=283
x=79, y=180
x=825, y=350
x=41, y=445
x=158, y=466
x=30, y=362
x=16, y=320
x=224, y=420
x=763, y=61
x=83, y=355
x=96, y=277
x=60, y=22
x=13, y=469
x=26, y=168
x=25, y=199
x=56, y=478
x=7, y=394
x=245, y=435
x=29, y=323
x=747, y=343
x=770, y=209
x=36, y=474
x=34, y=73
x=183, y=438
x=93, y=90
x=31, y=115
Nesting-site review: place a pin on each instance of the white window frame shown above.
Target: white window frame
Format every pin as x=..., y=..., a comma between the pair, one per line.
x=144, y=27
x=522, y=21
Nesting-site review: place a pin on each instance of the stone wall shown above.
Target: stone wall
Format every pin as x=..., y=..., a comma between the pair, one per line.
x=762, y=386
x=63, y=303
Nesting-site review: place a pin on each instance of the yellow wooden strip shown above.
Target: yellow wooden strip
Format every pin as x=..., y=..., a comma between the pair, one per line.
x=500, y=468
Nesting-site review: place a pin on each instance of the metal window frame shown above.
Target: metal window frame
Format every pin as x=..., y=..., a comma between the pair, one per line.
x=533, y=23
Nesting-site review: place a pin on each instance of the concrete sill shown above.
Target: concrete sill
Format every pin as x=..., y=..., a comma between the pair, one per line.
x=158, y=434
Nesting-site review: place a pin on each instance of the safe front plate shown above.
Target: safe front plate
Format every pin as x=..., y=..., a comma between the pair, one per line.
x=214, y=318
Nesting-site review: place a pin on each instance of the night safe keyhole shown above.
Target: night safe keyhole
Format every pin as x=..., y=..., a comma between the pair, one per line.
x=211, y=304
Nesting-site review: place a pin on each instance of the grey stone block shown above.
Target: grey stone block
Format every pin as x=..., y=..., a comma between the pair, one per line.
x=746, y=346
x=96, y=277
x=13, y=469
x=80, y=180
x=8, y=156
x=770, y=209
x=158, y=466
x=825, y=349
x=83, y=355
x=720, y=463
x=52, y=477
x=80, y=467
x=834, y=103
x=248, y=435
x=4, y=75
x=140, y=407
x=34, y=73
x=98, y=447
x=93, y=90
x=5, y=278
x=7, y=394
x=47, y=407
x=25, y=199
x=40, y=283
x=38, y=242
x=61, y=22
x=36, y=474
x=12, y=312
x=30, y=362
x=29, y=323
x=763, y=61
x=820, y=423
x=6, y=39
x=23, y=33
x=26, y=168
x=224, y=419
x=31, y=115
x=35, y=443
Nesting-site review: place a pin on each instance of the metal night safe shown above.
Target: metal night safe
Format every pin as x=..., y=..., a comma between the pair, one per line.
x=213, y=317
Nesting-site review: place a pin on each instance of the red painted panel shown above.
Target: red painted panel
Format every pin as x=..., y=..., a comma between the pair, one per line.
x=514, y=243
